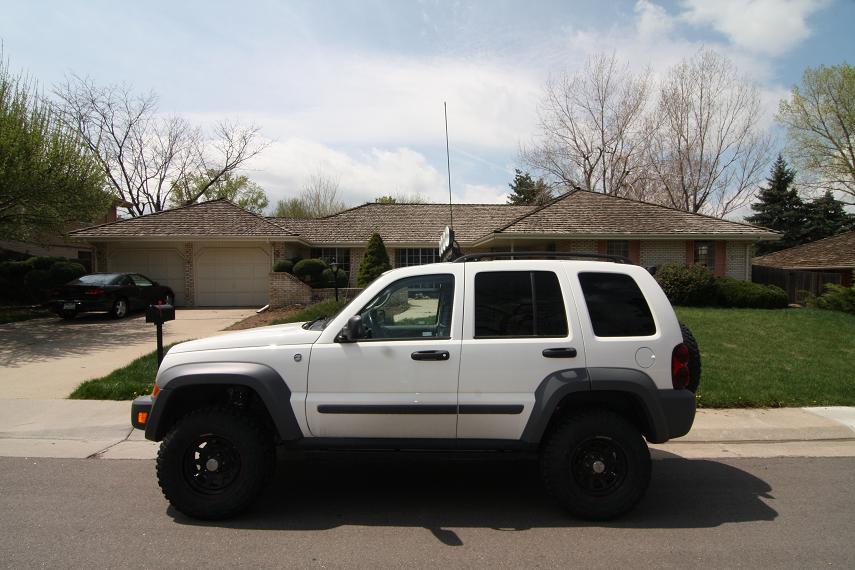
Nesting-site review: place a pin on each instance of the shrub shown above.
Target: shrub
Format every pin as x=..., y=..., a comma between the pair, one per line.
x=38, y=283
x=43, y=262
x=748, y=295
x=62, y=272
x=286, y=266
x=375, y=262
x=310, y=270
x=327, y=278
x=835, y=298
x=692, y=286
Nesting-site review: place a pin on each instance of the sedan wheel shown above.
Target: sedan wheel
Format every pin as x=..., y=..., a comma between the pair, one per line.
x=120, y=308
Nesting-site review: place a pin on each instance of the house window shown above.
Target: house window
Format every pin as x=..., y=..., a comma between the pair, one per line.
x=340, y=255
x=617, y=247
x=415, y=256
x=705, y=254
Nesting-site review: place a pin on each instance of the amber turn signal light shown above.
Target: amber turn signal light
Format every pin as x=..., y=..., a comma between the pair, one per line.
x=142, y=418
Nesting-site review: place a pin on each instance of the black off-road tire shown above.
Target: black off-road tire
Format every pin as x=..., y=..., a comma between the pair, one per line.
x=585, y=443
x=244, y=456
x=694, y=358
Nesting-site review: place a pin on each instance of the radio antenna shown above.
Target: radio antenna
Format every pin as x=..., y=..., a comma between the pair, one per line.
x=448, y=165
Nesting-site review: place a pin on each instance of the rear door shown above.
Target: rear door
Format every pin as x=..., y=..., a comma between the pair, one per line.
x=519, y=329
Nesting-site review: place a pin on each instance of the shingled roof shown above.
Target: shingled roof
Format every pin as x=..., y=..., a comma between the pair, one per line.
x=220, y=218
x=836, y=252
x=405, y=223
x=583, y=213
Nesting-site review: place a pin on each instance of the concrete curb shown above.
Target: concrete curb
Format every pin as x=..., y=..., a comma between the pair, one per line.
x=101, y=429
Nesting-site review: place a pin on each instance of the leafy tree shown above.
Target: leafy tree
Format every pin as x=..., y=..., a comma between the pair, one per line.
x=820, y=119
x=824, y=217
x=375, y=262
x=526, y=191
x=414, y=198
x=239, y=189
x=780, y=208
x=48, y=179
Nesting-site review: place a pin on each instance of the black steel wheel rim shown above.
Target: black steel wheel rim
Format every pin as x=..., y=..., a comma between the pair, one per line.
x=599, y=466
x=211, y=464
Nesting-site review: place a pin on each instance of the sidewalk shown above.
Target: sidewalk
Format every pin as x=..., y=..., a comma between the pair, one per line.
x=99, y=429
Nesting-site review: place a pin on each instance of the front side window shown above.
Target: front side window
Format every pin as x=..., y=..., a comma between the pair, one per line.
x=519, y=304
x=705, y=254
x=411, y=308
x=616, y=305
x=406, y=257
x=141, y=281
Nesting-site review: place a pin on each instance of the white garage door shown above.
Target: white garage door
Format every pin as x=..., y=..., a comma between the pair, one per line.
x=163, y=265
x=232, y=277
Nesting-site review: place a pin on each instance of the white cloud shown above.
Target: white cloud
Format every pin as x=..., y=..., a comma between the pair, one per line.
x=771, y=27
x=284, y=167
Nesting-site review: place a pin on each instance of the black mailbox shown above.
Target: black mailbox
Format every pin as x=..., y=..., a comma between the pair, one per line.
x=159, y=314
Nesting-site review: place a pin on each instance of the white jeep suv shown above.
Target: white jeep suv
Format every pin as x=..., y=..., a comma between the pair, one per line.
x=578, y=361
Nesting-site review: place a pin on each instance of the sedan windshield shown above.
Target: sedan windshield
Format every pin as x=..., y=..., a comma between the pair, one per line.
x=97, y=279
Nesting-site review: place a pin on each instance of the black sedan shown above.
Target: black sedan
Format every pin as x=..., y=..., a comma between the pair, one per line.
x=115, y=293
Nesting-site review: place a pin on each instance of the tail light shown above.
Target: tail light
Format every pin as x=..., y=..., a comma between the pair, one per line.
x=680, y=367
x=155, y=391
x=94, y=292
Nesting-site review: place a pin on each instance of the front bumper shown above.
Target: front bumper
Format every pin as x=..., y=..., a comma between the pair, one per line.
x=141, y=411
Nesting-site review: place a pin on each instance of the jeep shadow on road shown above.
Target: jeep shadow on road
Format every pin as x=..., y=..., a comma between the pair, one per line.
x=439, y=492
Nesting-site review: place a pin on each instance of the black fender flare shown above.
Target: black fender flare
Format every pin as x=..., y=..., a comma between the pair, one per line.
x=270, y=387
x=667, y=413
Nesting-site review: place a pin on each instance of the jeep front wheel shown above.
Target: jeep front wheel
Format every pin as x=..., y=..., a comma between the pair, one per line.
x=214, y=463
x=596, y=464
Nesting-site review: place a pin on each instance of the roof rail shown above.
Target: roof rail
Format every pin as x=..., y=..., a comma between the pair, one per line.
x=541, y=254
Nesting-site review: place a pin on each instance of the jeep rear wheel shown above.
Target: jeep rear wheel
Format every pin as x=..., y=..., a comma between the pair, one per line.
x=214, y=463
x=596, y=464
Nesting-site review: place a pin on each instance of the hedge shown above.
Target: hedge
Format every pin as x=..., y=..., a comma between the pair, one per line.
x=310, y=271
x=835, y=298
x=286, y=266
x=747, y=295
x=695, y=286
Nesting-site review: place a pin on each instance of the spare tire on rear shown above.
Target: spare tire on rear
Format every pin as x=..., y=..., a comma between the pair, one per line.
x=694, y=358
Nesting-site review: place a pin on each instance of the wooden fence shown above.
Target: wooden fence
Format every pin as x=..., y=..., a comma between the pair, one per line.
x=797, y=284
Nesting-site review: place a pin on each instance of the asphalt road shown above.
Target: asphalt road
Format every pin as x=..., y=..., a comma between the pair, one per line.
x=367, y=511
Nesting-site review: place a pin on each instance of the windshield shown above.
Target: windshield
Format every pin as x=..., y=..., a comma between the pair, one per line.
x=97, y=279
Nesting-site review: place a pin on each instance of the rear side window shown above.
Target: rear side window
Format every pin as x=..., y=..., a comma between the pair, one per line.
x=616, y=305
x=518, y=304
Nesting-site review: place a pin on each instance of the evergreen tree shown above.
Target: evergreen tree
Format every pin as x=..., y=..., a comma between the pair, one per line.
x=779, y=208
x=824, y=217
x=526, y=191
x=375, y=262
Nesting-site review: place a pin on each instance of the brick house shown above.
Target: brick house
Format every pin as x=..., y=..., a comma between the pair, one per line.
x=217, y=254
x=832, y=255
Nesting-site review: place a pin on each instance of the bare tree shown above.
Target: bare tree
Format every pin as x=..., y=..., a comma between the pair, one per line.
x=319, y=197
x=708, y=152
x=146, y=156
x=593, y=131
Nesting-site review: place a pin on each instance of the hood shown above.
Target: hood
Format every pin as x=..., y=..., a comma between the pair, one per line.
x=276, y=335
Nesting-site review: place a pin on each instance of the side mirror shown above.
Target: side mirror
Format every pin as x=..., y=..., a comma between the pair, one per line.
x=352, y=330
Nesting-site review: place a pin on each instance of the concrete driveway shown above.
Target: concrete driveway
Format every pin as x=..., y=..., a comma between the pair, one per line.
x=48, y=358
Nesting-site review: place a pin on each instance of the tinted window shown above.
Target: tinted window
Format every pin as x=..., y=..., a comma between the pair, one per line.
x=616, y=305
x=141, y=281
x=519, y=303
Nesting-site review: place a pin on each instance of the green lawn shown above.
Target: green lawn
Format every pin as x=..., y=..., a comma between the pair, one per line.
x=135, y=379
x=774, y=358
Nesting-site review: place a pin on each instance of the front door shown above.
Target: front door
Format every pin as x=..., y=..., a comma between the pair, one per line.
x=399, y=380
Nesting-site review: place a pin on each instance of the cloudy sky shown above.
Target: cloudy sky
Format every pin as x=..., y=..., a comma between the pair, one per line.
x=356, y=89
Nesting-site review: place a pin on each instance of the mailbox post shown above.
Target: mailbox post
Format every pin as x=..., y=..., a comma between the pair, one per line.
x=159, y=314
